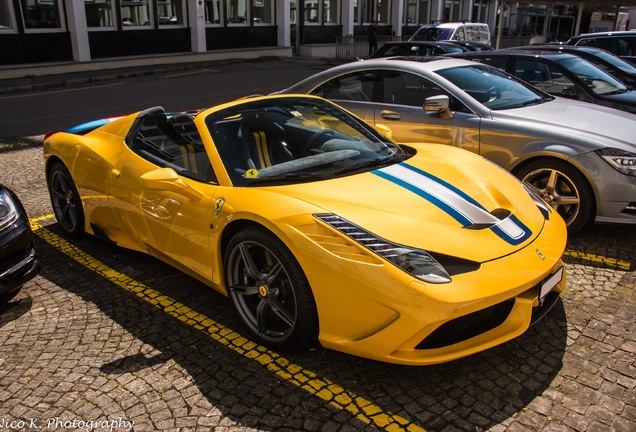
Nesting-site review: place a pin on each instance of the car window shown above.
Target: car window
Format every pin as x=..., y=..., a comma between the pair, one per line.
x=357, y=86
x=499, y=63
x=403, y=88
x=592, y=77
x=459, y=34
x=173, y=141
x=540, y=74
x=491, y=87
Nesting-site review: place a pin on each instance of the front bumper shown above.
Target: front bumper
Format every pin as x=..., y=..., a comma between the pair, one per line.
x=615, y=192
x=18, y=259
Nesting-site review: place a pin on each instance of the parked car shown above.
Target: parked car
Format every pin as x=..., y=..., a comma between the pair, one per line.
x=18, y=259
x=621, y=43
x=296, y=210
x=620, y=69
x=474, y=32
x=473, y=46
x=419, y=48
x=561, y=74
x=580, y=157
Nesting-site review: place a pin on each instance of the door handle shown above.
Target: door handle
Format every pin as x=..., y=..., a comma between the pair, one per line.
x=389, y=115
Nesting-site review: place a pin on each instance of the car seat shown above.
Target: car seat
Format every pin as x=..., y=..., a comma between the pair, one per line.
x=263, y=139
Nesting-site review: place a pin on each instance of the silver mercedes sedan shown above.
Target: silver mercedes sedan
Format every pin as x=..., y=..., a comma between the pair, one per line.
x=580, y=157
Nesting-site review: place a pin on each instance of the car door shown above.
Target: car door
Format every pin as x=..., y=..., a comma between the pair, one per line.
x=401, y=97
x=171, y=191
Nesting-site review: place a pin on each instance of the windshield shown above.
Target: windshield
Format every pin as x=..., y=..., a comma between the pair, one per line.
x=432, y=34
x=615, y=61
x=595, y=79
x=491, y=87
x=290, y=140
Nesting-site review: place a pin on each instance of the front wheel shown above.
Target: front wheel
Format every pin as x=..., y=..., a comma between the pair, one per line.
x=564, y=188
x=269, y=290
x=66, y=201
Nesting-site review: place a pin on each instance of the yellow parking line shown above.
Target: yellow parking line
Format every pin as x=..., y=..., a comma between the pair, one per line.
x=305, y=379
x=199, y=71
x=609, y=262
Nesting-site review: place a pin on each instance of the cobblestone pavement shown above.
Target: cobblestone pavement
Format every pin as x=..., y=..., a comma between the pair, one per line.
x=109, y=339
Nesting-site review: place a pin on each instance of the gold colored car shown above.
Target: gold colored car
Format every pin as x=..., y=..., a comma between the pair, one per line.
x=318, y=228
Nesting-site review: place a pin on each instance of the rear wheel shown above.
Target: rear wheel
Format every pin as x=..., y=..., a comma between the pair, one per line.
x=269, y=290
x=564, y=188
x=65, y=200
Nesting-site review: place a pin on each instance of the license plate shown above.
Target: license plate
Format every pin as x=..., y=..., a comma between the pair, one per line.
x=549, y=284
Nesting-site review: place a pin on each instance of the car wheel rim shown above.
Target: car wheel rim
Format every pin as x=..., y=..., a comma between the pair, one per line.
x=558, y=190
x=64, y=201
x=262, y=291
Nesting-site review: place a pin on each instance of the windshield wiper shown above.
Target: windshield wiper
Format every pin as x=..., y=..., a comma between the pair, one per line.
x=293, y=176
x=536, y=101
x=373, y=163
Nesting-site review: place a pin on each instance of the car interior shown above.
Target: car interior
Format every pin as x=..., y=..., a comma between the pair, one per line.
x=171, y=141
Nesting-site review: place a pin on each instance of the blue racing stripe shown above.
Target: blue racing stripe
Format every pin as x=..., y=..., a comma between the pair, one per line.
x=441, y=204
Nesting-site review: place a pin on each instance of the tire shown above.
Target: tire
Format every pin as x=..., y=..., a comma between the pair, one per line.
x=66, y=202
x=563, y=187
x=269, y=291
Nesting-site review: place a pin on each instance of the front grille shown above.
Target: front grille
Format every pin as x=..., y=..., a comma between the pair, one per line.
x=468, y=326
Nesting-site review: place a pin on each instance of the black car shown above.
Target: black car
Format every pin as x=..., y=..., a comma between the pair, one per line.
x=620, y=69
x=560, y=74
x=416, y=48
x=18, y=261
x=621, y=43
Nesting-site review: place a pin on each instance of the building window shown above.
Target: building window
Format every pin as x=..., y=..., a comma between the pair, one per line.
x=170, y=12
x=263, y=11
x=417, y=12
x=7, y=19
x=480, y=11
x=371, y=10
x=213, y=11
x=452, y=10
x=99, y=13
x=330, y=11
x=312, y=11
x=424, y=12
x=237, y=11
x=39, y=14
x=135, y=13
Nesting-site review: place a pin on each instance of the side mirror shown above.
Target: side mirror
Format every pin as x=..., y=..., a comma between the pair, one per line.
x=436, y=103
x=439, y=104
x=166, y=179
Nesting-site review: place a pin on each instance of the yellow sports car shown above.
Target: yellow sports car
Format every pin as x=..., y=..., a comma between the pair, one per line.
x=317, y=227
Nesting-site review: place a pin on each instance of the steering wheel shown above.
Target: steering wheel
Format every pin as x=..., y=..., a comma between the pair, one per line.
x=317, y=140
x=492, y=93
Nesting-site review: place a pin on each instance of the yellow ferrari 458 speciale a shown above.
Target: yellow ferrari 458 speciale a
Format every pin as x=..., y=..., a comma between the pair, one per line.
x=317, y=227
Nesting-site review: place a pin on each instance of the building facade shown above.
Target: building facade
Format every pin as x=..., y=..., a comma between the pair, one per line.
x=36, y=31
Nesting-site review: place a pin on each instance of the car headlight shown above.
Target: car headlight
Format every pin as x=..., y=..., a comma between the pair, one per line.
x=416, y=262
x=8, y=210
x=543, y=206
x=621, y=160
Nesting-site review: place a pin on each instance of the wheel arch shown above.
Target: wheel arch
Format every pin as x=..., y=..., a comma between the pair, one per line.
x=226, y=235
x=49, y=162
x=560, y=157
